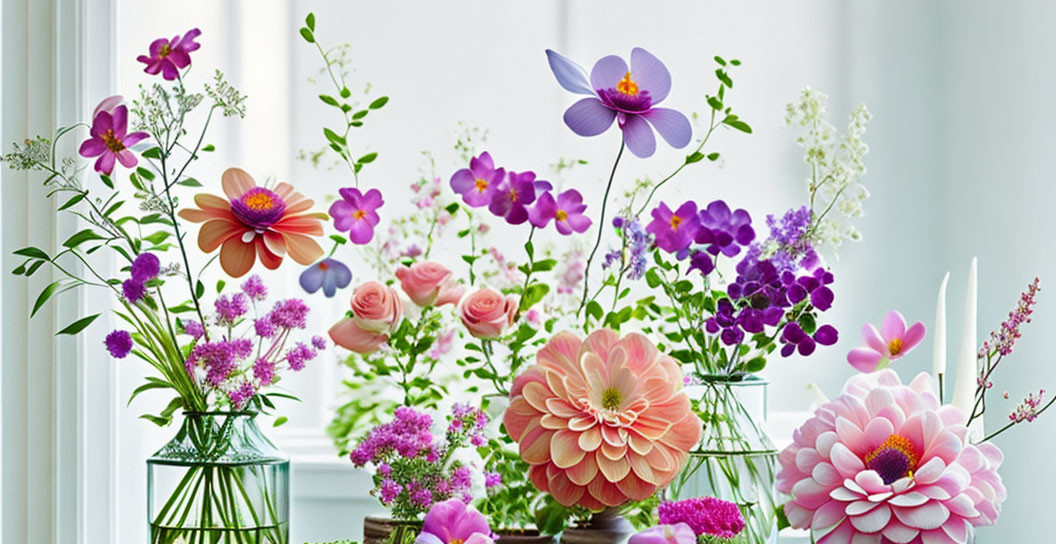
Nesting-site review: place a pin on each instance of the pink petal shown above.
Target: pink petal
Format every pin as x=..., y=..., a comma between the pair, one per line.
x=874, y=521
x=872, y=338
x=894, y=326
x=864, y=359
x=914, y=334
x=928, y=516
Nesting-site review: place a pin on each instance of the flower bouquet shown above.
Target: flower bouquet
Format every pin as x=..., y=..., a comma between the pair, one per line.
x=888, y=461
x=219, y=479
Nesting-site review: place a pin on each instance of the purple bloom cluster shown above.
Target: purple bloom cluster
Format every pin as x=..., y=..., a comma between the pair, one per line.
x=145, y=267
x=407, y=436
x=194, y=329
x=465, y=420
x=230, y=309
x=1004, y=339
x=219, y=359
x=792, y=236
x=510, y=195
x=1028, y=409
x=704, y=515
x=254, y=288
x=299, y=355
x=702, y=235
x=118, y=343
x=636, y=242
x=238, y=396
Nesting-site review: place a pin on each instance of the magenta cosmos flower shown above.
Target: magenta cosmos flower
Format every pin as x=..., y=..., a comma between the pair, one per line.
x=890, y=343
x=454, y=522
x=626, y=95
x=674, y=231
x=885, y=462
x=566, y=211
x=478, y=183
x=170, y=56
x=356, y=213
x=109, y=139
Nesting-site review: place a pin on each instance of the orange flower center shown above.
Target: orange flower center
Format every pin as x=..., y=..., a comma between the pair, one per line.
x=165, y=51
x=323, y=265
x=893, y=459
x=259, y=201
x=455, y=541
x=111, y=142
x=560, y=215
x=481, y=185
x=675, y=222
x=359, y=214
x=513, y=195
x=627, y=86
x=895, y=346
x=611, y=399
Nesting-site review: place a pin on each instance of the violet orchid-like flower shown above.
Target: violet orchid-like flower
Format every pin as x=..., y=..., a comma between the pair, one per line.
x=627, y=95
x=890, y=343
x=109, y=138
x=170, y=56
x=566, y=211
x=356, y=213
x=674, y=231
x=478, y=183
x=679, y=533
x=511, y=199
x=454, y=522
x=329, y=274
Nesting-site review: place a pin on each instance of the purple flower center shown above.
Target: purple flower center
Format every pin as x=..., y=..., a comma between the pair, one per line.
x=259, y=208
x=893, y=459
x=627, y=97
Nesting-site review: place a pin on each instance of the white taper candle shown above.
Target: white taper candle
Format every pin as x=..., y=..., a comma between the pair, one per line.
x=967, y=362
x=938, y=350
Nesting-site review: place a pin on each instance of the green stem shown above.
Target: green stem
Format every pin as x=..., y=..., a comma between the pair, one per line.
x=601, y=229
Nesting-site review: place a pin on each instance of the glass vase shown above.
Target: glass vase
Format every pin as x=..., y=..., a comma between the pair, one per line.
x=736, y=459
x=218, y=481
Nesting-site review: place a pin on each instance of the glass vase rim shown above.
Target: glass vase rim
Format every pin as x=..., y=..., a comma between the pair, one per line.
x=731, y=379
x=204, y=413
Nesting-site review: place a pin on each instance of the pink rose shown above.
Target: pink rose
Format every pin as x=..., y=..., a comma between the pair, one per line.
x=347, y=334
x=487, y=313
x=376, y=308
x=429, y=284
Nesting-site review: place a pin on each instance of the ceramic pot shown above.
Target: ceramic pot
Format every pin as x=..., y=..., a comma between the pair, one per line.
x=378, y=530
x=605, y=527
x=525, y=536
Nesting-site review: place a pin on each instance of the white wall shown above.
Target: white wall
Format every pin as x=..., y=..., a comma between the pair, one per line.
x=961, y=97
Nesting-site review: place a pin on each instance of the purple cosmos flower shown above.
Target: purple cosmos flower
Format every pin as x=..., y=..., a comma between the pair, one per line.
x=118, y=343
x=478, y=183
x=626, y=95
x=258, y=208
x=145, y=267
x=357, y=213
x=512, y=197
x=674, y=230
x=170, y=56
x=566, y=211
x=109, y=139
x=452, y=521
x=723, y=231
x=329, y=274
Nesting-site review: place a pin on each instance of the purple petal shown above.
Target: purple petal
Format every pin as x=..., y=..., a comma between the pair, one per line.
x=482, y=166
x=361, y=232
x=341, y=211
x=372, y=200
x=821, y=298
x=578, y=222
x=826, y=335
x=650, y=74
x=589, y=117
x=135, y=138
x=107, y=104
x=543, y=211
x=638, y=136
x=350, y=194
x=518, y=214
x=673, y=126
x=329, y=284
x=92, y=147
x=156, y=45
x=105, y=163
x=894, y=326
x=312, y=278
x=463, y=181
x=341, y=273
x=102, y=123
x=571, y=76
x=127, y=158
x=864, y=359
x=607, y=72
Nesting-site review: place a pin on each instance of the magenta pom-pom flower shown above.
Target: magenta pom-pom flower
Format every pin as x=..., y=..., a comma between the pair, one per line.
x=885, y=462
x=603, y=420
x=170, y=56
x=679, y=533
x=705, y=515
x=357, y=213
x=118, y=343
x=626, y=95
x=890, y=343
x=109, y=138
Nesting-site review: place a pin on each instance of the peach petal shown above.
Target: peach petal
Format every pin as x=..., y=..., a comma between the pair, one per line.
x=536, y=394
x=563, y=490
x=236, y=182
x=236, y=256
x=601, y=341
x=217, y=231
x=613, y=470
x=613, y=452
x=559, y=407
x=590, y=439
x=308, y=224
x=564, y=449
x=635, y=488
x=536, y=451
x=582, y=423
x=270, y=260
x=302, y=249
x=583, y=472
x=641, y=467
x=552, y=422
x=275, y=242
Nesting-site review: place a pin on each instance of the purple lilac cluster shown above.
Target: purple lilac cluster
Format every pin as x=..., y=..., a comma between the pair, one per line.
x=413, y=470
x=704, y=515
x=239, y=366
x=1004, y=339
x=702, y=235
x=511, y=195
x=633, y=257
x=145, y=267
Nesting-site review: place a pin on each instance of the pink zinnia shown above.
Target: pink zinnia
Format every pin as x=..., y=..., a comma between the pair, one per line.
x=170, y=56
x=885, y=462
x=109, y=139
x=890, y=343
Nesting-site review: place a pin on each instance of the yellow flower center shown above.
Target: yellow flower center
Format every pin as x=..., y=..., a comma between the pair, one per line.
x=259, y=201
x=611, y=399
x=895, y=346
x=165, y=51
x=359, y=214
x=627, y=86
x=513, y=195
x=560, y=215
x=455, y=541
x=112, y=143
x=675, y=222
x=481, y=185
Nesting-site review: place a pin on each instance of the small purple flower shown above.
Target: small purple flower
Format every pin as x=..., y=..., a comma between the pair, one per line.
x=627, y=96
x=171, y=56
x=230, y=309
x=674, y=231
x=264, y=370
x=109, y=140
x=356, y=213
x=704, y=515
x=566, y=211
x=133, y=290
x=478, y=183
x=329, y=274
x=795, y=339
x=145, y=267
x=318, y=342
x=193, y=329
x=290, y=314
x=723, y=231
x=299, y=355
x=254, y=288
x=390, y=490
x=241, y=394
x=702, y=261
x=119, y=344
x=511, y=199
x=264, y=327
x=492, y=480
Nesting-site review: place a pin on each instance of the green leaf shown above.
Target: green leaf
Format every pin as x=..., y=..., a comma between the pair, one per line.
x=220, y=285
x=209, y=148
x=159, y=421
x=594, y=310
x=735, y=122
x=81, y=237
x=713, y=156
x=720, y=60
x=307, y=34
x=32, y=253
x=755, y=365
x=155, y=383
x=43, y=297
x=534, y=294
x=369, y=157
x=199, y=289
x=152, y=153
x=715, y=103
x=309, y=21
x=145, y=174
x=191, y=182
x=697, y=156
x=280, y=420
x=333, y=137
x=544, y=265
x=724, y=78
x=73, y=200
x=652, y=278
x=327, y=99
x=107, y=181
x=379, y=103
x=360, y=114
x=452, y=208
x=782, y=519
x=345, y=93
x=338, y=239
x=78, y=326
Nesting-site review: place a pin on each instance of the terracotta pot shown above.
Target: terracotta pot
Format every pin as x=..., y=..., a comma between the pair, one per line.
x=605, y=527
x=377, y=530
x=523, y=536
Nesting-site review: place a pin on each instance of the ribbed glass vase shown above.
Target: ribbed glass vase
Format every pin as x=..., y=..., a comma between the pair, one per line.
x=736, y=459
x=218, y=481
